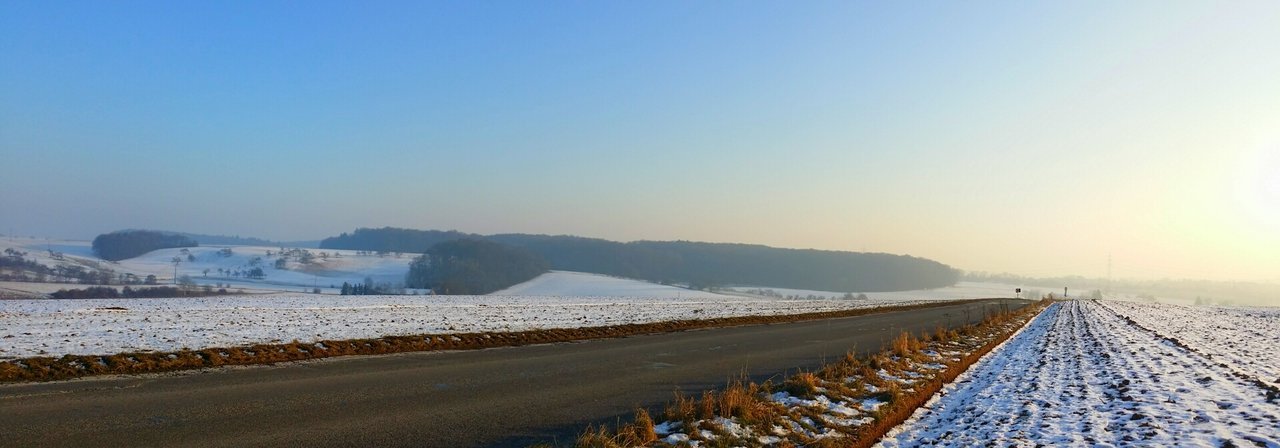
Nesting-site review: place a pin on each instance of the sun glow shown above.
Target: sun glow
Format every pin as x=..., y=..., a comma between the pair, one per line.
x=1271, y=187
x=1260, y=188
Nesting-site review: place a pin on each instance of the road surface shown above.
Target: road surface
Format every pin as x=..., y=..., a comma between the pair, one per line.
x=498, y=397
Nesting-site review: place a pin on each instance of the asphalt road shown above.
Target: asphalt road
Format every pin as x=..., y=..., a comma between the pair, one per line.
x=498, y=397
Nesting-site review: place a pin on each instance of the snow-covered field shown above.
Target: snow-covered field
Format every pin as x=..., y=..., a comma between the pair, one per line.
x=562, y=283
x=212, y=267
x=553, y=300
x=1079, y=375
x=961, y=290
x=1247, y=339
x=108, y=326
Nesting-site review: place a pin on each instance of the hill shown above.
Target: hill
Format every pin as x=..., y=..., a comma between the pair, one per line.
x=690, y=263
x=125, y=244
x=391, y=239
x=578, y=284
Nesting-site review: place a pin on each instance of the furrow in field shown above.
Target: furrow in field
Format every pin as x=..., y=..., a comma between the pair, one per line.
x=1083, y=376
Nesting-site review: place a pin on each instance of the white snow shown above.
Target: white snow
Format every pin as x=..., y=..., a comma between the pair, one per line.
x=554, y=300
x=1247, y=339
x=347, y=267
x=962, y=290
x=340, y=266
x=1079, y=375
x=57, y=327
x=562, y=283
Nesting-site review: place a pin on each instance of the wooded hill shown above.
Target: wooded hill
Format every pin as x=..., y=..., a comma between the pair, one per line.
x=125, y=244
x=472, y=266
x=696, y=264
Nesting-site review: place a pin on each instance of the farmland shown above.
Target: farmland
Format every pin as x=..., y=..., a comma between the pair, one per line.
x=1080, y=374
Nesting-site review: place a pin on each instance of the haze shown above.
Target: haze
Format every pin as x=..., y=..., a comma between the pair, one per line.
x=1036, y=139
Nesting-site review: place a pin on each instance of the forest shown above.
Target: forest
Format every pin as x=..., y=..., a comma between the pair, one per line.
x=473, y=266
x=391, y=239
x=107, y=292
x=696, y=264
x=126, y=244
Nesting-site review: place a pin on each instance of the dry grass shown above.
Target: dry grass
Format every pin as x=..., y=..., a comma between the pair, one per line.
x=639, y=432
x=682, y=409
x=749, y=404
x=597, y=438
x=844, y=368
x=803, y=384
x=74, y=366
x=906, y=346
x=941, y=334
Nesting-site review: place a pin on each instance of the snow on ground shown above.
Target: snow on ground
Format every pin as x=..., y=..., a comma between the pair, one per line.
x=109, y=326
x=836, y=402
x=962, y=290
x=1247, y=339
x=563, y=283
x=1080, y=375
x=348, y=266
x=75, y=253
x=340, y=266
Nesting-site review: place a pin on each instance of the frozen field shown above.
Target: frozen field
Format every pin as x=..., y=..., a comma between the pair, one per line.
x=108, y=326
x=210, y=266
x=562, y=283
x=1247, y=339
x=1080, y=375
x=961, y=290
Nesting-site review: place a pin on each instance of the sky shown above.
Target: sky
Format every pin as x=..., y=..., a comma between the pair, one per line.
x=1037, y=138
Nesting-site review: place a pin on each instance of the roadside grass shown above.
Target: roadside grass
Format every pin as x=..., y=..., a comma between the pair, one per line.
x=75, y=366
x=848, y=403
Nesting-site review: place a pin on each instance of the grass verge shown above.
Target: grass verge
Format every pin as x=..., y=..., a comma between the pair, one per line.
x=852, y=402
x=76, y=366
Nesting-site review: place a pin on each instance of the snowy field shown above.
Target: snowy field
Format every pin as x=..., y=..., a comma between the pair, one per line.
x=562, y=283
x=108, y=326
x=1080, y=375
x=1247, y=339
x=212, y=267
x=32, y=327
x=961, y=290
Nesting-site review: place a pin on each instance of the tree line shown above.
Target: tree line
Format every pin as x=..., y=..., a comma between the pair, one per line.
x=126, y=244
x=473, y=266
x=368, y=288
x=391, y=239
x=699, y=265
x=159, y=292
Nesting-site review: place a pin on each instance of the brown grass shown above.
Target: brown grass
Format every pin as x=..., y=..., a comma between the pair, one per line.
x=681, y=409
x=597, y=438
x=639, y=432
x=905, y=345
x=903, y=405
x=74, y=366
x=803, y=384
x=844, y=368
x=748, y=402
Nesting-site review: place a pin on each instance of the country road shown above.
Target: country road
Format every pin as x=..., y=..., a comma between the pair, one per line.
x=497, y=397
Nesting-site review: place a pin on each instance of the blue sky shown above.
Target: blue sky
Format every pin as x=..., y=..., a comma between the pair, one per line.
x=1007, y=136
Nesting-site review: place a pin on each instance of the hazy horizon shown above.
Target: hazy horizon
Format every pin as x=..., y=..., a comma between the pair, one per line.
x=1034, y=139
